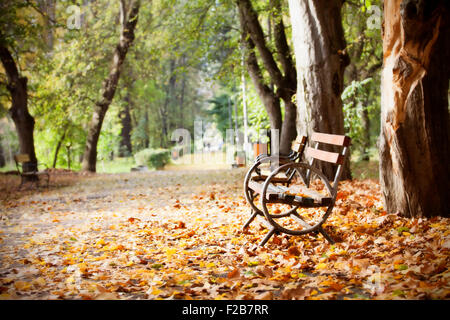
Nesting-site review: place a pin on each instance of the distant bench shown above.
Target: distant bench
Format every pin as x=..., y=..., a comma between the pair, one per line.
x=23, y=165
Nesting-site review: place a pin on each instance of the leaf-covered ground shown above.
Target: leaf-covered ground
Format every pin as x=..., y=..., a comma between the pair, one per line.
x=178, y=235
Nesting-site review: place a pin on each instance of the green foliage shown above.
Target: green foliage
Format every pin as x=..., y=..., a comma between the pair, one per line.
x=185, y=63
x=257, y=115
x=153, y=158
x=361, y=96
x=220, y=111
x=354, y=96
x=357, y=100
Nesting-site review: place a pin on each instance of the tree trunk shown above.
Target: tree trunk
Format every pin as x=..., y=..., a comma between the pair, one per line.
x=414, y=139
x=125, y=134
x=319, y=45
x=285, y=79
x=270, y=101
x=147, y=134
x=180, y=123
x=23, y=120
x=58, y=147
x=109, y=88
x=2, y=155
x=365, y=123
x=165, y=109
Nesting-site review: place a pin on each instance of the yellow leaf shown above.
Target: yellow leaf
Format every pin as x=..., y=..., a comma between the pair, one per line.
x=83, y=267
x=321, y=266
x=171, y=252
x=100, y=242
x=210, y=265
x=22, y=285
x=156, y=291
x=5, y=296
x=39, y=281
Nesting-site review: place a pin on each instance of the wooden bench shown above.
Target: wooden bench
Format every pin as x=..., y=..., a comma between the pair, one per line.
x=26, y=175
x=307, y=199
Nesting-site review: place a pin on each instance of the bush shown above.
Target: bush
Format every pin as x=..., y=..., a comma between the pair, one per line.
x=153, y=158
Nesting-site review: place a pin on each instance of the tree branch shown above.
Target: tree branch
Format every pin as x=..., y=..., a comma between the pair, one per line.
x=257, y=35
x=290, y=73
x=12, y=73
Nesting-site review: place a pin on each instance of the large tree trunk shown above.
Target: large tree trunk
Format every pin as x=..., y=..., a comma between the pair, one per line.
x=23, y=120
x=109, y=88
x=414, y=140
x=319, y=45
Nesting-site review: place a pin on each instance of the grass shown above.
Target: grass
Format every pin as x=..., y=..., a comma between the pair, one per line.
x=8, y=167
x=118, y=165
x=216, y=160
x=360, y=169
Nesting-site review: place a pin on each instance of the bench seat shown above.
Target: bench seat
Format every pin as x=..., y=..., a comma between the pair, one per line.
x=304, y=197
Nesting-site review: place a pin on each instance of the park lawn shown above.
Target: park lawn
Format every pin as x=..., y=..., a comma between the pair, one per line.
x=177, y=235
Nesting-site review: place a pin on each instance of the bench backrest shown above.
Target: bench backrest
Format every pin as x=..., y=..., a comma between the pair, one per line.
x=337, y=158
x=299, y=144
x=21, y=158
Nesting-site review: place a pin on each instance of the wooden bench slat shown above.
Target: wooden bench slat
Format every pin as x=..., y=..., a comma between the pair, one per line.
x=317, y=196
x=22, y=158
x=331, y=139
x=286, y=195
x=272, y=191
x=274, y=180
x=332, y=157
x=298, y=144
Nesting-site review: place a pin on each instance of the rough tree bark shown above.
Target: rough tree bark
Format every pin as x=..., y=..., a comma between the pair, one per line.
x=24, y=122
x=284, y=79
x=319, y=45
x=414, y=139
x=129, y=22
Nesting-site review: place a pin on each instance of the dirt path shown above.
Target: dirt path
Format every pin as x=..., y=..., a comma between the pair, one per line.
x=177, y=235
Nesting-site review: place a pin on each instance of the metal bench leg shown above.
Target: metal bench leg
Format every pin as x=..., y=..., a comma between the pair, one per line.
x=21, y=182
x=267, y=237
x=252, y=217
x=326, y=235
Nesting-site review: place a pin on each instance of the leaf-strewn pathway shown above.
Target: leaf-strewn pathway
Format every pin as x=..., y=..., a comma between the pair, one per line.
x=177, y=235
